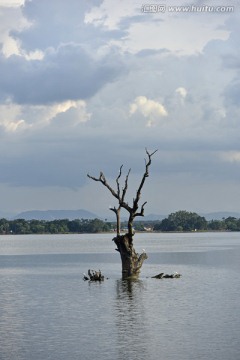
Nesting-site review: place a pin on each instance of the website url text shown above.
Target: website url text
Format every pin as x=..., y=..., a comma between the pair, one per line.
x=157, y=8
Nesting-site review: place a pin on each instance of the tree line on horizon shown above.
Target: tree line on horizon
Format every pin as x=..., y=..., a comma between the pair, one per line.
x=180, y=221
x=190, y=221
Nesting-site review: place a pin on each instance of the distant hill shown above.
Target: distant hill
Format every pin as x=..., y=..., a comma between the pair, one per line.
x=6, y=215
x=49, y=215
x=221, y=214
x=151, y=217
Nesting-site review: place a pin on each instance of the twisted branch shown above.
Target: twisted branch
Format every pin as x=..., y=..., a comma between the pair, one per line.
x=120, y=194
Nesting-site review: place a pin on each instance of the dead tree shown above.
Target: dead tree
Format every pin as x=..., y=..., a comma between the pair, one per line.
x=131, y=261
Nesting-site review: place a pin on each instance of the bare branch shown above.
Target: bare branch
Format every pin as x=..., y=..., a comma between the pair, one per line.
x=124, y=190
x=145, y=175
x=120, y=195
x=117, y=181
x=113, y=209
x=141, y=213
x=93, y=178
x=103, y=180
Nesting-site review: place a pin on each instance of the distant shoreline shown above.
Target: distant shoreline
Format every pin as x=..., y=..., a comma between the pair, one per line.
x=114, y=234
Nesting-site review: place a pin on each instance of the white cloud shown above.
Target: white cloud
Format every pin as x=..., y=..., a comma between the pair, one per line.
x=231, y=156
x=148, y=31
x=11, y=19
x=182, y=92
x=11, y=3
x=16, y=117
x=12, y=126
x=10, y=118
x=52, y=111
x=150, y=109
x=108, y=15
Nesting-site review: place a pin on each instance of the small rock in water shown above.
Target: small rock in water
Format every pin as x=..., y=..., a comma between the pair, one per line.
x=167, y=276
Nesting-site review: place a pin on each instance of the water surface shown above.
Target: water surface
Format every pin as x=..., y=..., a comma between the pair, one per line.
x=48, y=312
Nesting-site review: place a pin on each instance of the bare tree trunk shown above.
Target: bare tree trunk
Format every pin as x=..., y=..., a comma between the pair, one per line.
x=117, y=212
x=131, y=261
x=118, y=221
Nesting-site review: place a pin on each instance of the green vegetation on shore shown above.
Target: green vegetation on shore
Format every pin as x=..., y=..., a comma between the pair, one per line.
x=179, y=221
x=189, y=221
x=63, y=226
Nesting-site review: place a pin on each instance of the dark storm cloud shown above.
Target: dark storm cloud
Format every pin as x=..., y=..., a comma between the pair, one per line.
x=232, y=93
x=68, y=73
x=70, y=68
x=62, y=162
x=59, y=21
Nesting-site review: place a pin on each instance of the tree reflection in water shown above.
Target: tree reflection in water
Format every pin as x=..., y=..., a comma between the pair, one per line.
x=131, y=319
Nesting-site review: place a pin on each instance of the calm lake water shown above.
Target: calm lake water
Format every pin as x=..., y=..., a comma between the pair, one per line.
x=48, y=312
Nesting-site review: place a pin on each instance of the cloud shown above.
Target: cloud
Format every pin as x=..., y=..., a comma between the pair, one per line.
x=59, y=22
x=40, y=34
x=11, y=3
x=63, y=74
x=68, y=77
x=67, y=114
x=46, y=56
x=231, y=156
x=144, y=30
x=112, y=17
x=11, y=18
x=10, y=118
x=182, y=92
x=150, y=109
x=12, y=126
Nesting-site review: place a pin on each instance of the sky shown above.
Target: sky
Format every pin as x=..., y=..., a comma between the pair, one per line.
x=86, y=86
